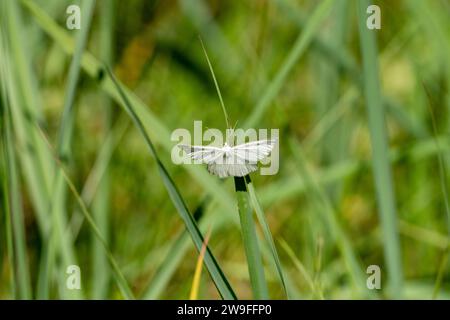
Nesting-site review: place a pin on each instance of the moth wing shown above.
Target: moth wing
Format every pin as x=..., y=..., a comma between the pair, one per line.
x=206, y=154
x=254, y=151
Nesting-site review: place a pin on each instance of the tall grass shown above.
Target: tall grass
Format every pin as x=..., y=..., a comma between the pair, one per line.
x=381, y=165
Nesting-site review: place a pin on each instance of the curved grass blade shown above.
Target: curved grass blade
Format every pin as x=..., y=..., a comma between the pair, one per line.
x=215, y=271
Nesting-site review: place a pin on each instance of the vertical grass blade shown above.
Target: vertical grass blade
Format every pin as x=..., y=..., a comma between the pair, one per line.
x=100, y=208
x=381, y=165
x=57, y=206
x=254, y=260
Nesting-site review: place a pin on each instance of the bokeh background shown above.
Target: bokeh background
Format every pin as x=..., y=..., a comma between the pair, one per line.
x=363, y=145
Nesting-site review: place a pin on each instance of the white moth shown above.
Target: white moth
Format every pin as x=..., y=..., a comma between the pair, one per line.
x=226, y=161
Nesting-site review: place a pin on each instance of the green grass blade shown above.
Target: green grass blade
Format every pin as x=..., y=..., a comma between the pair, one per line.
x=381, y=165
x=216, y=273
x=65, y=130
x=252, y=251
x=100, y=208
x=216, y=84
x=267, y=234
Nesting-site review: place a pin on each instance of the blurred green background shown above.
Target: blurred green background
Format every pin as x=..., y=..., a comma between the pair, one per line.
x=363, y=118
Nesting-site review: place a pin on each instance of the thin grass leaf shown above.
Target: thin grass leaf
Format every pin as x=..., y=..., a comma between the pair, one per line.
x=199, y=13
x=57, y=206
x=381, y=164
x=100, y=208
x=216, y=273
x=267, y=234
x=224, y=110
